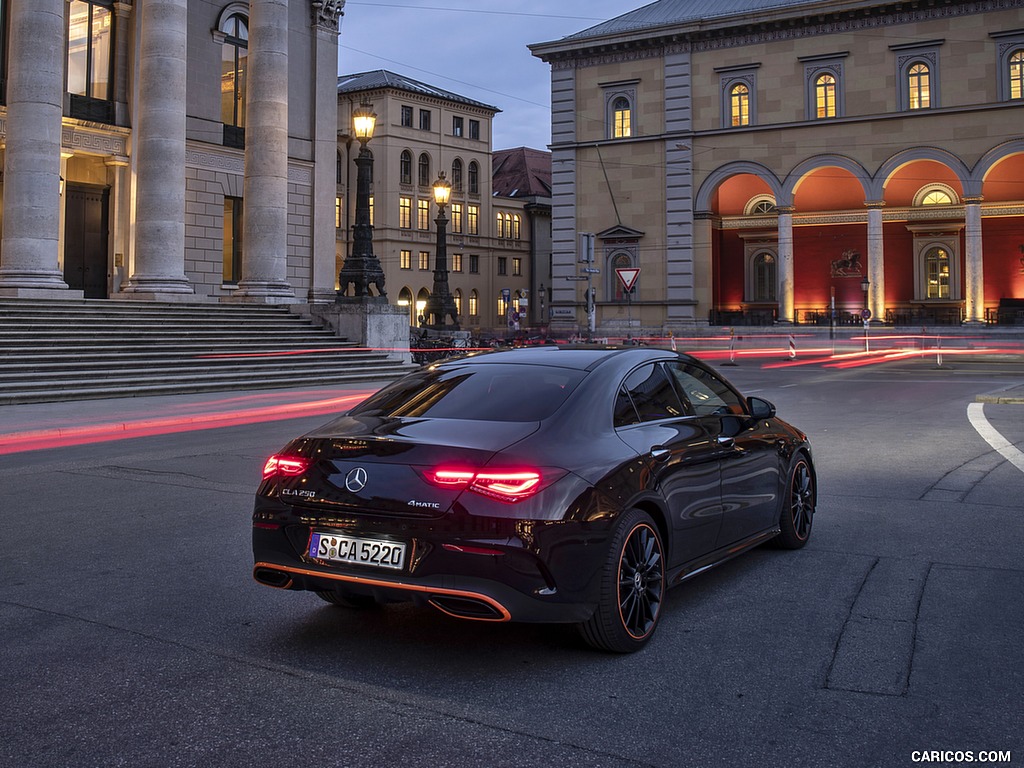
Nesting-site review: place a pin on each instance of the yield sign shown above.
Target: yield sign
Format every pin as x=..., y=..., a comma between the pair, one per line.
x=627, y=276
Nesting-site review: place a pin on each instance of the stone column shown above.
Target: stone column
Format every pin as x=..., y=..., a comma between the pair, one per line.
x=265, y=217
x=876, y=262
x=29, y=253
x=159, y=270
x=974, y=280
x=326, y=15
x=787, y=298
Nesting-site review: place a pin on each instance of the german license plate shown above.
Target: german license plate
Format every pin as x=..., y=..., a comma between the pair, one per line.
x=376, y=553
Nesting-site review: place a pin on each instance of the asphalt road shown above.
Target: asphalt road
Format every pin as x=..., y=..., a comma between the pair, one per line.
x=132, y=634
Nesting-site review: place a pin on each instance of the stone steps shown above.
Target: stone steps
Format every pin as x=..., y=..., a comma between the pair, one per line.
x=72, y=350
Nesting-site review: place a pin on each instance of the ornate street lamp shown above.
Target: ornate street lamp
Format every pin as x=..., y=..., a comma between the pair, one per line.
x=362, y=268
x=440, y=304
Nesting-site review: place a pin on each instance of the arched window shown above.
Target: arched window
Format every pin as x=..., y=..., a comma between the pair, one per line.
x=1017, y=75
x=739, y=105
x=919, y=86
x=474, y=303
x=517, y=229
x=760, y=205
x=405, y=167
x=936, y=267
x=765, y=276
x=458, y=301
x=619, y=261
x=457, y=175
x=424, y=170
x=405, y=300
x=234, y=52
x=825, y=95
x=474, y=178
x=499, y=225
x=936, y=194
x=622, y=118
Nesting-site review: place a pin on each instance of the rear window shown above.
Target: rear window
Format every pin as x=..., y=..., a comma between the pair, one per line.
x=492, y=392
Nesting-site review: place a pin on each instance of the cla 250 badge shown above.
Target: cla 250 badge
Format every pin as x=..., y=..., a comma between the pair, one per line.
x=300, y=493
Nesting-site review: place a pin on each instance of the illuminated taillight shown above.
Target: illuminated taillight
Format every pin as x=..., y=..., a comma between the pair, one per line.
x=504, y=485
x=289, y=466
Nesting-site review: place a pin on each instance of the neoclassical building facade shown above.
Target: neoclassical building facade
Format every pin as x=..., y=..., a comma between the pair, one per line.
x=176, y=150
x=757, y=166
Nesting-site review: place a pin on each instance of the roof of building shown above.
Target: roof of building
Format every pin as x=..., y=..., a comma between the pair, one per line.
x=521, y=172
x=668, y=12
x=382, y=78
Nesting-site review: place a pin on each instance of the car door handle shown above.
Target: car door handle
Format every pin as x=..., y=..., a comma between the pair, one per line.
x=725, y=442
x=660, y=453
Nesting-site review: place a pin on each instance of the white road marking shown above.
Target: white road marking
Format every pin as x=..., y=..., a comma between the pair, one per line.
x=976, y=415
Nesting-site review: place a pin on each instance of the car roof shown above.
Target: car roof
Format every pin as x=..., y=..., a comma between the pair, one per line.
x=578, y=356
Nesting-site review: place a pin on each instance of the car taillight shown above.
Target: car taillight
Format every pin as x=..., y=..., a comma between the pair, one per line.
x=289, y=466
x=504, y=485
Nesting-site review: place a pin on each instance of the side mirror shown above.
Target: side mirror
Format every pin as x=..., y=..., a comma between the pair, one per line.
x=760, y=408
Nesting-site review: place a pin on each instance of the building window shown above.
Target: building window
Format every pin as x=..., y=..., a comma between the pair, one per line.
x=232, y=240
x=764, y=276
x=371, y=210
x=919, y=86
x=760, y=205
x=474, y=304
x=499, y=223
x=458, y=301
x=405, y=212
x=424, y=260
x=936, y=267
x=474, y=130
x=406, y=116
x=739, y=105
x=1017, y=75
x=456, y=218
x=456, y=262
x=456, y=175
x=825, y=96
x=473, y=220
x=502, y=265
x=91, y=59
x=517, y=267
x=517, y=228
x=474, y=268
x=405, y=259
x=424, y=119
x=622, y=118
x=423, y=174
x=405, y=167
x=474, y=178
x=456, y=126
x=337, y=213
x=422, y=214
x=234, y=52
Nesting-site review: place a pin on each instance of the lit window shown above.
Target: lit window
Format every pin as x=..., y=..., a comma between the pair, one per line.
x=499, y=221
x=456, y=218
x=517, y=228
x=234, y=53
x=90, y=49
x=622, y=118
x=423, y=214
x=458, y=301
x=1017, y=75
x=473, y=220
x=474, y=304
x=456, y=262
x=825, y=95
x=405, y=260
x=739, y=105
x=424, y=260
x=371, y=210
x=337, y=213
x=936, y=263
x=937, y=197
x=517, y=267
x=919, y=86
x=232, y=271
x=405, y=212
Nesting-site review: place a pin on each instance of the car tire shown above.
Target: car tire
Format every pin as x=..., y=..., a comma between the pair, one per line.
x=347, y=599
x=796, y=516
x=632, y=587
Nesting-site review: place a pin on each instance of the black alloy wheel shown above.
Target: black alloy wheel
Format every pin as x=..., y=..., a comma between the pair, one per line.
x=632, y=588
x=797, y=515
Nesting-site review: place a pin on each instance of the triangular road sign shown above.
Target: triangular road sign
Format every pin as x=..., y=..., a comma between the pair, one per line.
x=627, y=276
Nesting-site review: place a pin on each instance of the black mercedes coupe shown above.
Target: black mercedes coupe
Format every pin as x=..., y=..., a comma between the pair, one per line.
x=547, y=484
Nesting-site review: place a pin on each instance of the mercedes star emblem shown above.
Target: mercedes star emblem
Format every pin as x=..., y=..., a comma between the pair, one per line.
x=355, y=480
